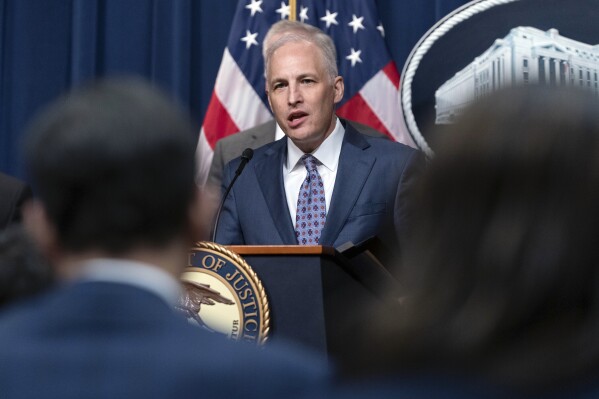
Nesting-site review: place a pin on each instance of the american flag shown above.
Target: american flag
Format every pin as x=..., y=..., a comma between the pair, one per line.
x=370, y=75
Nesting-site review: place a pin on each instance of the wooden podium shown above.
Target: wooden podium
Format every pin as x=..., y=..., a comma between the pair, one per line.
x=315, y=293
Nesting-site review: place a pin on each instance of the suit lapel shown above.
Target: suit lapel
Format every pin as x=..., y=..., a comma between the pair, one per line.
x=269, y=171
x=355, y=164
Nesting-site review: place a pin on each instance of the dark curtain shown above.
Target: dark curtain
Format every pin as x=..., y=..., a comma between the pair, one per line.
x=49, y=46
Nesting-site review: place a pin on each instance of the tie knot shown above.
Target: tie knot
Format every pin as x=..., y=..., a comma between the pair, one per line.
x=310, y=162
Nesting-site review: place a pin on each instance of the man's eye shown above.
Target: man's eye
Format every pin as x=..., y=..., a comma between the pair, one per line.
x=278, y=86
x=307, y=81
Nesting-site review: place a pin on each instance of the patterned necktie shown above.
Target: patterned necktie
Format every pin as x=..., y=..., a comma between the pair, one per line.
x=311, y=205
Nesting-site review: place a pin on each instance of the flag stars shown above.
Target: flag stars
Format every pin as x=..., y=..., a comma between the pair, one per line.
x=354, y=57
x=284, y=10
x=249, y=39
x=381, y=29
x=255, y=6
x=330, y=19
x=356, y=23
x=304, y=14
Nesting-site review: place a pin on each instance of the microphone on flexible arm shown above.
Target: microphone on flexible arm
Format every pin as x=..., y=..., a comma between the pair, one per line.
x=247, y=154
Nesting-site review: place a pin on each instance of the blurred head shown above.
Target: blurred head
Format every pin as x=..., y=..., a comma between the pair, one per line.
x=503, y=261
x=113, y=165
x=302, y=84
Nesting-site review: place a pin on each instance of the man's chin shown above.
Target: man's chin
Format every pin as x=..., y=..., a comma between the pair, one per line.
x=306, y=143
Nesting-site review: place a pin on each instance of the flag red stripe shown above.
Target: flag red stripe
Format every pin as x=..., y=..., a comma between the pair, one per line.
x=391, y=71
x=217, y=122
x=356, y=109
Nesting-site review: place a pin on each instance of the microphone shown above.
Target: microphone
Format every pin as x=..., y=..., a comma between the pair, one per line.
x=247, y=154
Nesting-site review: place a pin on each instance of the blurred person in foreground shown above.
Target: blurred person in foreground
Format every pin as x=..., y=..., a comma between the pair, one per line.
x=113, y=165
x=503, y=264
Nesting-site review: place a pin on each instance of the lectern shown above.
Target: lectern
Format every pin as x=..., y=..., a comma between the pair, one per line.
x=315, y=293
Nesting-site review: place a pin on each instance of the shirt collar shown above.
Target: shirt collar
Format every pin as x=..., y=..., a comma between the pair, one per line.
x=142, y=275
x=327, y=153
x=279, y=133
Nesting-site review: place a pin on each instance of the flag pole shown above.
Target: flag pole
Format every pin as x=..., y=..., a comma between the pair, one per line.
x=293, y=10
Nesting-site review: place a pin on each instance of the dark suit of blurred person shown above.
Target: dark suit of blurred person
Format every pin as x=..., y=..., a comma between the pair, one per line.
x=117, y=214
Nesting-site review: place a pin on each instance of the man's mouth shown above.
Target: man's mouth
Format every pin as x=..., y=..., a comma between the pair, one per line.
x=296, y=118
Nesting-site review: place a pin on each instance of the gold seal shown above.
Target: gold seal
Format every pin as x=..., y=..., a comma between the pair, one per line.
x=223, y=294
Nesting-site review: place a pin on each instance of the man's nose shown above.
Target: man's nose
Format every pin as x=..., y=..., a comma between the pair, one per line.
x=294, y=95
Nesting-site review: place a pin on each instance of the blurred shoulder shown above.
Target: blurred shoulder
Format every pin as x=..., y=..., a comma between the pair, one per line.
x=364, y=129
x=260, y=134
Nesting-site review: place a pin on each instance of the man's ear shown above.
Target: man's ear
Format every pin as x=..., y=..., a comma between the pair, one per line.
x=41, y=229
x=339, y=87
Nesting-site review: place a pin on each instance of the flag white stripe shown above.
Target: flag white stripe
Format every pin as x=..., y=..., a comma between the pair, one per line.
x=204, y=154
x=383, y=98
x=238, y=96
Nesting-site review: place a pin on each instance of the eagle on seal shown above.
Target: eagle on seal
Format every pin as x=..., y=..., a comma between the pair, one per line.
x=194, y=296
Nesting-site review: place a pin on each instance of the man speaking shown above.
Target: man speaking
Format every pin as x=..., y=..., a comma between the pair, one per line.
x=324, y=183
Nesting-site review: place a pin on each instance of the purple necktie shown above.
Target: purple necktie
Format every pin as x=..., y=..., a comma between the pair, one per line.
x=311, y=205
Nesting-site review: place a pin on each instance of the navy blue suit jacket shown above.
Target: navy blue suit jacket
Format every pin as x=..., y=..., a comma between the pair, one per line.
x=107, y=340
x=369, y=197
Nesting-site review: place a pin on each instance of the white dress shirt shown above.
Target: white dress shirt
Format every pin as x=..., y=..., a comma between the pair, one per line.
x=279, y=133
x=294, y=171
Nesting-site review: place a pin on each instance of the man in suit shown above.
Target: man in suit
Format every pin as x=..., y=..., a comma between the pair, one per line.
x=117, y=212
x=13, y=194
x=361, y=182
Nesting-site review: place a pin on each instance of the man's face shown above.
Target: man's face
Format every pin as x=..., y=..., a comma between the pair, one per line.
x=302, y=95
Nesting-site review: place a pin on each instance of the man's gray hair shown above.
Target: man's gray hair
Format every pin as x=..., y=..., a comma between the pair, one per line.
x=286, y=31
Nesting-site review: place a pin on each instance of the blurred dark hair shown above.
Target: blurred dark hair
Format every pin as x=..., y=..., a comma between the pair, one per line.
x=113, y=164
x=503, y=262
x=23, y=270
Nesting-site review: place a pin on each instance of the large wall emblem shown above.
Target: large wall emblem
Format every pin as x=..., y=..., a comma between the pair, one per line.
x=489, y=44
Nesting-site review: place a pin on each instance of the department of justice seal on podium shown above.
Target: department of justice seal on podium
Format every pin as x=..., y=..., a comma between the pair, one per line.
x=224, y=295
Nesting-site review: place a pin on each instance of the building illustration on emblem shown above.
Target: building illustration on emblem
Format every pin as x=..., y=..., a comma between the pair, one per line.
x=526, y=55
